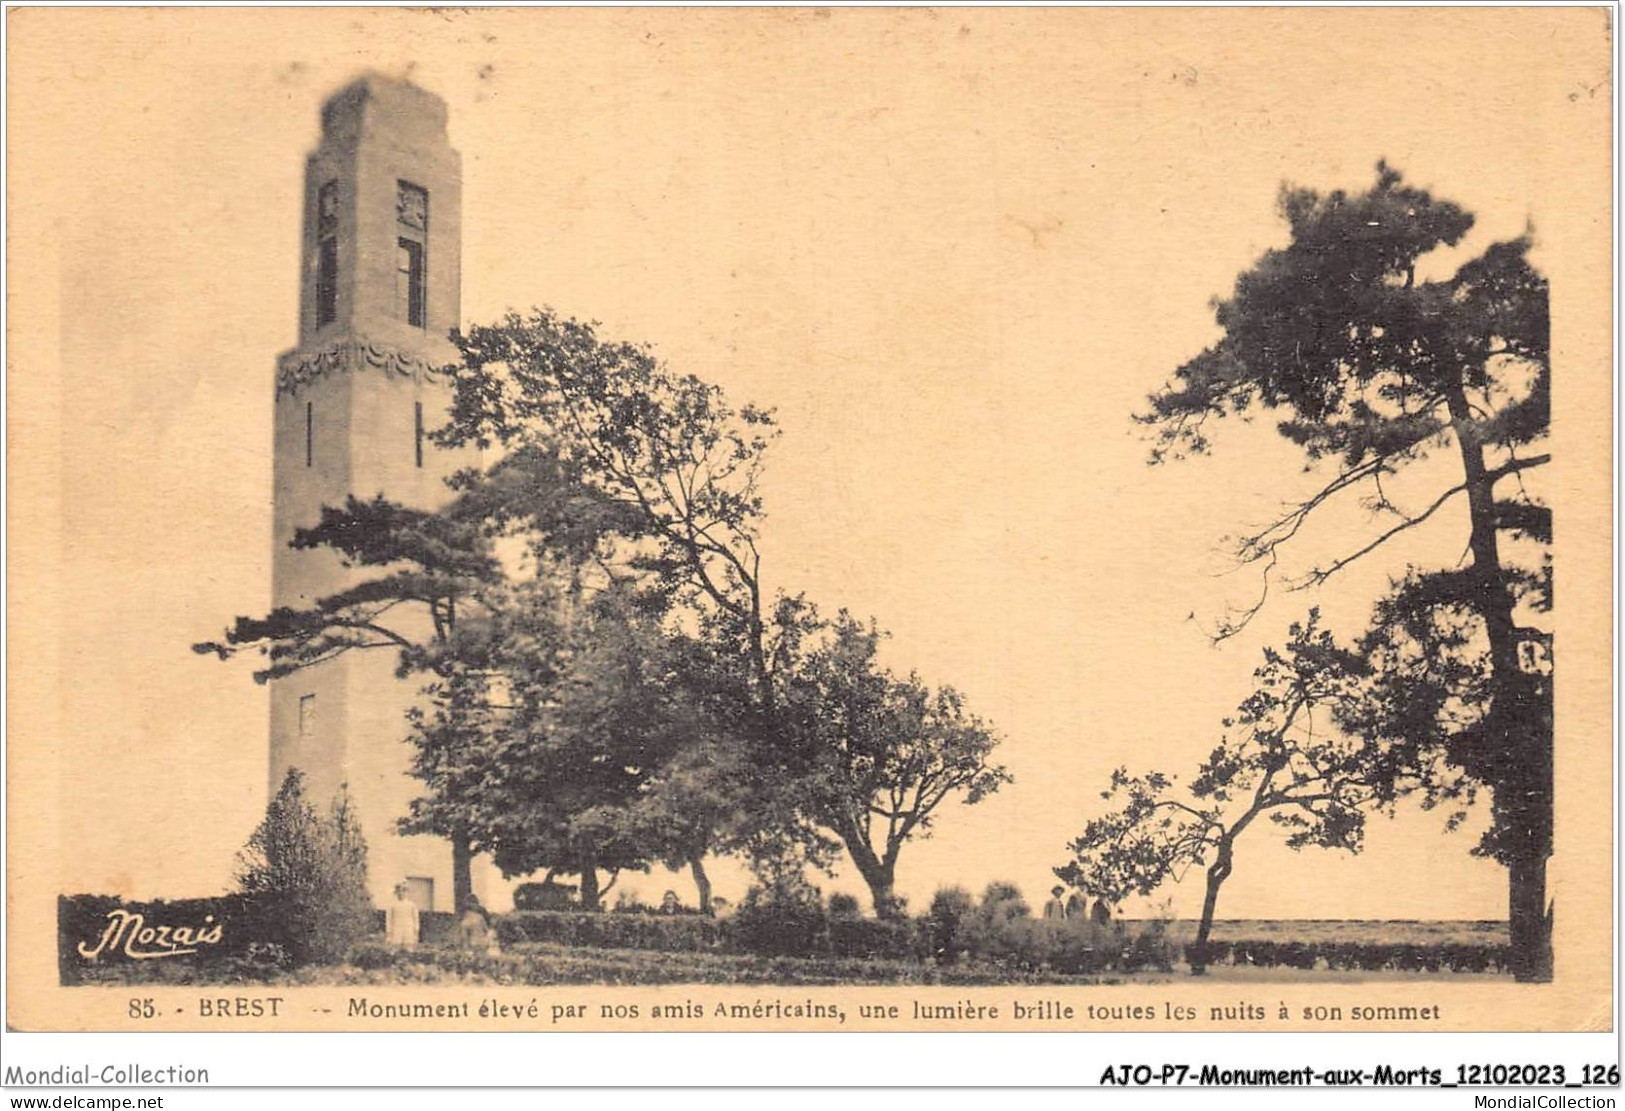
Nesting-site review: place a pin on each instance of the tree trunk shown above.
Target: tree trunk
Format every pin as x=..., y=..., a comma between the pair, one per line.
x=880, y=892
x=1529, y=926
x=877, y=873
x=462, y=872
x=702, y=884
x=1518, y=765
x=1216, y=875
x=589, y=885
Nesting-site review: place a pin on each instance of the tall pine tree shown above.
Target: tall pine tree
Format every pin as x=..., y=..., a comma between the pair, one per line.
x=1374, y=369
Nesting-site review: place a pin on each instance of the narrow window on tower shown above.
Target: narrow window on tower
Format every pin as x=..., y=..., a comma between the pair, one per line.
x=327, y=254
x=307, y=714
x=310, y=430
x=412, y=230
x=409, y=281
x=417, y=430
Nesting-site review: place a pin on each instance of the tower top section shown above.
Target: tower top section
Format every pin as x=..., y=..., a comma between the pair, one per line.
x=382, y=224
x=375, y=105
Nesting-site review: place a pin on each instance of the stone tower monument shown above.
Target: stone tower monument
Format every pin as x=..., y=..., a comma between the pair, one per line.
x=379, y=291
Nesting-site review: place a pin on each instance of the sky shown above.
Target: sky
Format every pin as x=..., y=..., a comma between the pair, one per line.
x=953, y=249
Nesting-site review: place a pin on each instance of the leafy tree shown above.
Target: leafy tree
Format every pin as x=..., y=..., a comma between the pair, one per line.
x=1376, y=370
x=1283, y=756
x=592, y=710
x=437, y=561
x=449, y=736
x=307, y=874
x=1433, y=690
x=665, y=448
x=433, y=587
x=724, y=791
x=431, y=571
x=668, y=450
x=617, y=476
x=700, y=802
x=890, y=750
x=671, y=452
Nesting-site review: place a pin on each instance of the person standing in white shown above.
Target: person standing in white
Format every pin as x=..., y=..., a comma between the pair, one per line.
x=402, y=920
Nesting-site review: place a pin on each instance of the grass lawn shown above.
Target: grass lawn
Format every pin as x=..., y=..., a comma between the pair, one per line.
x=539, y=963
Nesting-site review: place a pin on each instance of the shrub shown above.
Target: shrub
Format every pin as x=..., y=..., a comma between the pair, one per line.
x=1068, y=947
x=950, y=906
x=879, y=938
x=1081, y=946
x=376, y=954
x=307, y=874
x=1467, y=958
x=998, y=929
x=1149, y=947
x=842, y=905
x=1002, y=932
x=1002, y=899
x=782, y=923
x=544, y=896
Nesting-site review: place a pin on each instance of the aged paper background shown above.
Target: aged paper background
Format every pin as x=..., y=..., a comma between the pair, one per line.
x=954, y=248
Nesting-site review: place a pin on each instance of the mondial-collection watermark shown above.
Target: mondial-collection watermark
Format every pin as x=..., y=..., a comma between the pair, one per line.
x=115, y=1076
x=1532, y=1103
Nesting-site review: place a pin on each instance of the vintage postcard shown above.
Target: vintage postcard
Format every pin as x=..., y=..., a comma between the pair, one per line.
x=810, y=520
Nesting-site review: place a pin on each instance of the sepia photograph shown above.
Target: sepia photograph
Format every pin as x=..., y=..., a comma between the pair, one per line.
x=965, y=519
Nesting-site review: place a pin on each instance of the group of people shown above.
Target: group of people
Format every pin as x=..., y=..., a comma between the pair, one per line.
x=1062, y=907
x=403, y=923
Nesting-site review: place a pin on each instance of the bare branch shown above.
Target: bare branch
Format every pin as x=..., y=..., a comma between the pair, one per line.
x=1320, y=575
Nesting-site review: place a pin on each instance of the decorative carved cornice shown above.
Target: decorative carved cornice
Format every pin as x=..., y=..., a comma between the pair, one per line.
x=297, y=369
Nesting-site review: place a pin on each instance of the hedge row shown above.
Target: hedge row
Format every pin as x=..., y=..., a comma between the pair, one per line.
x=542, y=963
x=772, y=931
x=806, y=930
x=1067, y=947
x=679, y=933
x=1453, y=956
